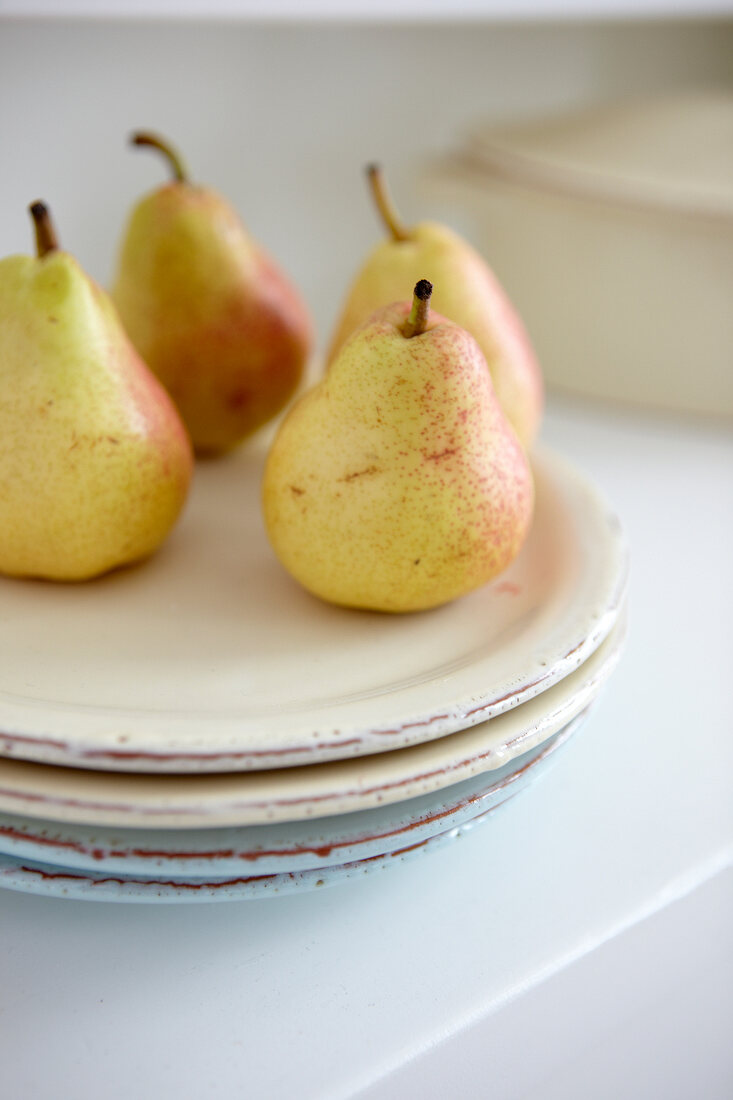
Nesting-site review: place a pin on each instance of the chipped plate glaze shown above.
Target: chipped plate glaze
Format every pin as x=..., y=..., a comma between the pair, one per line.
x=274, y=849
x=51, y=881
x=421, y=828
x=208, y=657
x=314, y=791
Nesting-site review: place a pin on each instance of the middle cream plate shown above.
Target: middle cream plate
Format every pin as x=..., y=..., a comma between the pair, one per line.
x=317, y=790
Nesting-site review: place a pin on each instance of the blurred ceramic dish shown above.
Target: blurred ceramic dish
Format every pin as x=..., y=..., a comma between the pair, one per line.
x=462, y=808
x=274, y=849
x=210, y=658
x=314, y=791
x=612, y=230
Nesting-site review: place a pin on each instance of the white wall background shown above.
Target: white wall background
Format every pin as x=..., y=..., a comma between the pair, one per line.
x=282, y=118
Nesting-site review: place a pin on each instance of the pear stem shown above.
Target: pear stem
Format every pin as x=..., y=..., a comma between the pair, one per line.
x=417, y=322
x=384, y=203
x=46, y=239
x=141, y=137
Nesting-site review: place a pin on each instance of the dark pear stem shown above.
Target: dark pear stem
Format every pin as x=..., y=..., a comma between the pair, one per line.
x=417, y=322
x=46, y=239
x=141, y=137
x=384, y=203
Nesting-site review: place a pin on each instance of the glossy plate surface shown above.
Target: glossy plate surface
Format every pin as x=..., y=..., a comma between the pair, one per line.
x=209, y=657
x=314, y=791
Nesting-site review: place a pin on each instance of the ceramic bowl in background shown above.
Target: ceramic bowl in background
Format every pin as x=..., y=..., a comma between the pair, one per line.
x=612, y=231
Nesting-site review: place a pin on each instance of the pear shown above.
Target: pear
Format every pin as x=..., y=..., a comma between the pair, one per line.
x=467, y=293
x=95, y=463
x=208, y=310
x=397, y=484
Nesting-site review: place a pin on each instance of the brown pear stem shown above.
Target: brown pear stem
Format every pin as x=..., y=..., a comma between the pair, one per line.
x=417, y=322
x=46, y=239
x=142, y=137
x=384, y=203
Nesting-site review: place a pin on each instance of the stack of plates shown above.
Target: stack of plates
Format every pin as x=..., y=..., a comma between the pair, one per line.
x=200, y=728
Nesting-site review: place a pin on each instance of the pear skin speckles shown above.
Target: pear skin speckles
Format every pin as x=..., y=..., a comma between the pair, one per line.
x=467, y=292
x=418, y=490
x=95, y=463
x=211, y=314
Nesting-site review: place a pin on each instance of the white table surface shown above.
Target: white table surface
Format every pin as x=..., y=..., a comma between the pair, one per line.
x=455, y=967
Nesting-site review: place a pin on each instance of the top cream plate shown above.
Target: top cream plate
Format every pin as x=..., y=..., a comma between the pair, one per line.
x=208, y=657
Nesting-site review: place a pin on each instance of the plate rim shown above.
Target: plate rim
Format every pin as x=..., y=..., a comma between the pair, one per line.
x=387, y=826
x=532, y=723
x=240, y=888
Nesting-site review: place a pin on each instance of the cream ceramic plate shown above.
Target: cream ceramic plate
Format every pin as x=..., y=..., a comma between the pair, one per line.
x=209, y=657
x=273, y=849
x=296, y=794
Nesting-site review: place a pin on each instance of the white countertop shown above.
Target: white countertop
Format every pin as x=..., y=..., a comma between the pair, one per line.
x=454, y=967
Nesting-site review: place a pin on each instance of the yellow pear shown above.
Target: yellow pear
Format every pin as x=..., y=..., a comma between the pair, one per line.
x=396, y=483
x=208, y=310
x=467, y=292
x=94, y=460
